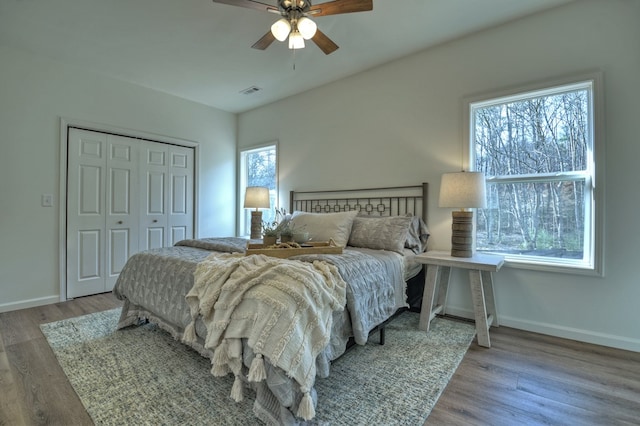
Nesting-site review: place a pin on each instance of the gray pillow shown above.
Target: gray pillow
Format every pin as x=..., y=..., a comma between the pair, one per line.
x=417, y=236
x=325, y=226
x=380, y=233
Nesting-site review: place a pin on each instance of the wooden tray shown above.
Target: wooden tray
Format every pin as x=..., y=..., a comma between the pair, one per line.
x=317, y=247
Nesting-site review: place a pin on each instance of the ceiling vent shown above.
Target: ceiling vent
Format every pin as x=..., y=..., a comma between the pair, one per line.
x=250, y=90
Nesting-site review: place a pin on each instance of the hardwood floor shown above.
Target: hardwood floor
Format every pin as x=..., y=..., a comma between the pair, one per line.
x=524, y=379
x=532, y=379
x=34, y=390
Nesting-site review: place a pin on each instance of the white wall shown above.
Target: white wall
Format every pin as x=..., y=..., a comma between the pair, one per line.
x=402, y=124
x=35, y=93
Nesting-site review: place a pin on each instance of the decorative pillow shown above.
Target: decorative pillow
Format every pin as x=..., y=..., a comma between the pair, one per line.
x=325, y=226
x=381, y=233
x=417, y=236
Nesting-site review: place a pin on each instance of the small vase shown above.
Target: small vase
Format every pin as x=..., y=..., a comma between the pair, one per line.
x=286, y=238
x=269, y=240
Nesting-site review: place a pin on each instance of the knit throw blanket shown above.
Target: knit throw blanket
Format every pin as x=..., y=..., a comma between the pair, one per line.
x=283, y=307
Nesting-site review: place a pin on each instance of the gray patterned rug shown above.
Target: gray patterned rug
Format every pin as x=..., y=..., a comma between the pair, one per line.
x=141, y=375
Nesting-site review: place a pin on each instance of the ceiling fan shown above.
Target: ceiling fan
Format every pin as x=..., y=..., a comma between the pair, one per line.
x=295, y=23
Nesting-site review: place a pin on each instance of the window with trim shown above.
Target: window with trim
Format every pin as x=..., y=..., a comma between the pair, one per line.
x=536, y=149
x=258, y=167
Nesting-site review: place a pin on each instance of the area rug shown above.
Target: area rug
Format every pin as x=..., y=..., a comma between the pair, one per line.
x=141, y=375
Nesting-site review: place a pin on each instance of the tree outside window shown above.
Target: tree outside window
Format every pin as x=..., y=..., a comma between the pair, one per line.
x=536, y=150
x=258, y=167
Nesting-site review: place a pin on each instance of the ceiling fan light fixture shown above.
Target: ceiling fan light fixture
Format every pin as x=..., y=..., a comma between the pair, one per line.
x=307, y=28
x=281, y=29
x=295, y=40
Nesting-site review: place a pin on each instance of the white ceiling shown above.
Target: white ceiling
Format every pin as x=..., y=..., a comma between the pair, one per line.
x=200, y=50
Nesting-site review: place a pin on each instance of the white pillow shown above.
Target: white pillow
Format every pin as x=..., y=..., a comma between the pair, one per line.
x=325, y=226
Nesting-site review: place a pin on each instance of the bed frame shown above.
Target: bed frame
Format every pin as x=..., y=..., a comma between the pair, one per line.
x=388, y=201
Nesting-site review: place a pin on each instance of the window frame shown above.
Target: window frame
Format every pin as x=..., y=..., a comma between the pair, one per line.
x=243, y=218
x=594, y=216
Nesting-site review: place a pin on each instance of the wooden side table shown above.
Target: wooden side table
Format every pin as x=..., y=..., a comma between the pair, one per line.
x=480, y=267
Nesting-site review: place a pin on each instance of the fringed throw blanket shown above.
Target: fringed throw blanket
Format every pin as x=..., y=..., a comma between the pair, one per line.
x=284, y=309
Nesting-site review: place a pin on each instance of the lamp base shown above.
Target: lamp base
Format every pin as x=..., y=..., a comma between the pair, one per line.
x=462, y=234
x=256, y=225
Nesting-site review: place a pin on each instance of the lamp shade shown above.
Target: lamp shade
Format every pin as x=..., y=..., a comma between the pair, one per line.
x=307, y=28
x=463, y=190
x=257, y=197
x=281, y=29
x=295, y=40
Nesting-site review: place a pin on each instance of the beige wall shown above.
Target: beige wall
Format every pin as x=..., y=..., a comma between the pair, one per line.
x=401, y=124
x=35, y=93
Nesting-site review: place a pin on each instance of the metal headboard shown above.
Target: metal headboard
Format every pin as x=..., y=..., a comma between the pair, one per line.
x=390, y=201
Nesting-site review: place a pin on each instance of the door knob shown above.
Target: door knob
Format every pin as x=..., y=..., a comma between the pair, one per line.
x=155, y=220
x=119, y=222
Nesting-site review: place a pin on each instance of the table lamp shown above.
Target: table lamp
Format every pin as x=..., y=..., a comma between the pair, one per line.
x=256, y=197
x=462, y=190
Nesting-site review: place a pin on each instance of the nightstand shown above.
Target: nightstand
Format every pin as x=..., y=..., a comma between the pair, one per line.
x=480, y=268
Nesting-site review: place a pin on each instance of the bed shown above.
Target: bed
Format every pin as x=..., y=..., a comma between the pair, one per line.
x=277, y=324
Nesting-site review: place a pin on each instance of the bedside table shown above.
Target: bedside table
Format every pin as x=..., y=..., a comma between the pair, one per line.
x=480, y=267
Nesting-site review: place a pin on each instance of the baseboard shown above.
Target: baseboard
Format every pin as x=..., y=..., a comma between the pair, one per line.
x=31, y=303
x=581, y=335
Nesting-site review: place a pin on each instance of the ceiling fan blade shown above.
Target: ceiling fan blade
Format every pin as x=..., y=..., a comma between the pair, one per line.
x=250, y=4
x=340, y=6
x=324, y=43
x=264, y=42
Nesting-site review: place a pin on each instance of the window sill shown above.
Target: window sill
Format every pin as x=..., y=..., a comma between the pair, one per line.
x=552, y=266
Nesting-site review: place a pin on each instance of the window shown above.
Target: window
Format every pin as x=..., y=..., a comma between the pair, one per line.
x=258, y=167
x=537, y=150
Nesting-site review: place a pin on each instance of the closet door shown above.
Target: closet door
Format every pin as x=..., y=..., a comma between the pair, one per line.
x=121, y=227
x=181, y=172
x=153, y=195
x=102, y=219
x=123, y=195
x=166, y=194
x=86, y=171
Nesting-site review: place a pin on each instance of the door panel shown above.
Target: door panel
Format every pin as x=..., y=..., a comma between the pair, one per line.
x=120, y=184
x=179, y=233
x=90, y=191
x=155, y=237
x=178, y=195
x=89, y=262
x=119, y=250
x=155, y=193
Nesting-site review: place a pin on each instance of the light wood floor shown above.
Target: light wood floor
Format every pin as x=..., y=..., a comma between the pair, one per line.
x=524, y=379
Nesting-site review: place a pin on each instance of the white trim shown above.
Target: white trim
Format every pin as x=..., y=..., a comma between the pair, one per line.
x=579, y=334
x=551, y=265
x=30, y=303
x=571, y=333
x=240, y=179
x=65, y=123
x=595, y=77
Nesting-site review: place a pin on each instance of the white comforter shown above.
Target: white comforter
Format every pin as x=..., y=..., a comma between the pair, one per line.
x=284, y=308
